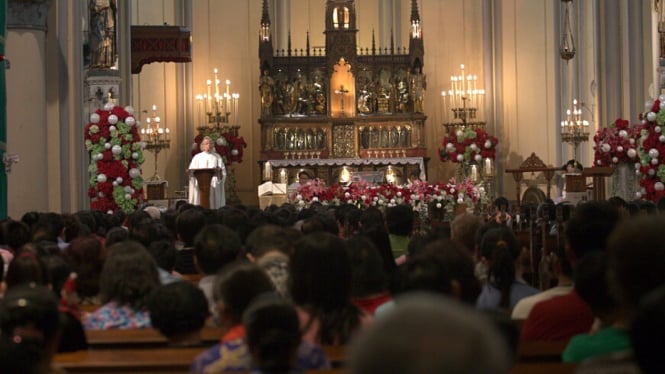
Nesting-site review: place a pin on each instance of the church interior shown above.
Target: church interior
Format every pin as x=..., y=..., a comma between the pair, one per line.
x=511, y=49
x=332, y=186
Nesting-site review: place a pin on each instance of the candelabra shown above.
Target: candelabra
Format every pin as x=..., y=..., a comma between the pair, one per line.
x=156, y=137
x=574, y=130
x=463, y=99
x=218, y=111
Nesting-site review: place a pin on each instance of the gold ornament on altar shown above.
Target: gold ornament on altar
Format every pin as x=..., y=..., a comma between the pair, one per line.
x=574, y=130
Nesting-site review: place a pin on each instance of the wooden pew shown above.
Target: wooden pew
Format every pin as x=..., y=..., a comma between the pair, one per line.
x=141, y=338
x=157, y=360
x=540, y=351
x=544, y=368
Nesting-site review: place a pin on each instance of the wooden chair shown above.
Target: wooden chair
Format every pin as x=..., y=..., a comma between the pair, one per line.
x=541, y=351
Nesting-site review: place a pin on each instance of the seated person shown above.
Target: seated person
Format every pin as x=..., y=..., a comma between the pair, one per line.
x=30, y=325
x=273, y=335
x=571, y=167
x=179, y=311
x=236, y=286
x=591, y=285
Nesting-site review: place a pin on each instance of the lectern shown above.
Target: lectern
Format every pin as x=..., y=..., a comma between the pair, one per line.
x=203, y=179
x=598, y=174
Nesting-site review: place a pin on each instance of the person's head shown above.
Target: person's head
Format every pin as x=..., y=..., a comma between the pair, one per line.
x=436, y=335
x=86, y=257
x=400, y=220
x=459, y=266
x=188, y=224
x=16, y=234
x=179, y=311
x=348, y=219
x=368, y=274
x=463, y=230
x=129, y=275
x=647, y=329
x=636, y=260
x=116, y=235
x=414, y=176
x=423, y=272
x=49, y=227
x=26, y=269
x=501, y=249
x=206, y=144
x=501, y=204
x=266, y=239
x=592, y=286
x=320, y=271
x=214, y=247
x=164, y=253
x=588, y=228
x=573, y=166
x=235, y=287
x=273, y=334
x=303, y=177
x=29, y=329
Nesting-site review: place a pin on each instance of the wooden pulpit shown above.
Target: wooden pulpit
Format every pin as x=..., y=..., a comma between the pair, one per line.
x=598, y=174
x=203, y=179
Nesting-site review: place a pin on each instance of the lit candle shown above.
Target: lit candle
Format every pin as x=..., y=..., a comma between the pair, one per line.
x=453, y=80
x=228, y=83
x=209, y=97
x=167, y=133
x=443, y=112
x=267, y=171
x=462, y=76
x=488, y=167
x=216, y=82
x=474, y=173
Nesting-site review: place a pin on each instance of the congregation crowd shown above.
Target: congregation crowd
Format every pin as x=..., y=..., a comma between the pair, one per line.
x=283, y=283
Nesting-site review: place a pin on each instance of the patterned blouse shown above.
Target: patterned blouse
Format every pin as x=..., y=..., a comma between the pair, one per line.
x=114, y=316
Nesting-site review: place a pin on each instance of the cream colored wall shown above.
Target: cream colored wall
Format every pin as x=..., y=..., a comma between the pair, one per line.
x=27, y=184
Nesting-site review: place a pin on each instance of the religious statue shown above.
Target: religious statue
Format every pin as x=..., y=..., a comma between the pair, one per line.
x=102, y=33
x=266, y=87
x=418, y=86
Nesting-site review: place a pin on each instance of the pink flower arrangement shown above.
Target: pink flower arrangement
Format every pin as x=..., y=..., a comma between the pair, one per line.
x=418, y=195
x=616, y=143
x=467, y=145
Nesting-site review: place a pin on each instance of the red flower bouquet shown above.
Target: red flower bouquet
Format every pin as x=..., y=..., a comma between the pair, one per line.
x=116, y=155
x=651, y=151
x=467, y=145
x=616, y=143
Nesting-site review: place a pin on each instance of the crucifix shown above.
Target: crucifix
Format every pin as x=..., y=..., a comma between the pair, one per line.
x=341, y=92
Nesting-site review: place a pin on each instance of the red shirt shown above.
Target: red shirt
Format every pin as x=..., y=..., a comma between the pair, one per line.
x=559, y=318
x=369, y=304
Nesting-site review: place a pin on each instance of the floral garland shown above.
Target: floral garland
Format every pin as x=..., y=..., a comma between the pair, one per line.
x=652, y=152
x=616, y=144
x=116, y=155
x=227, y=145
x=468, y=145
x=419, y=195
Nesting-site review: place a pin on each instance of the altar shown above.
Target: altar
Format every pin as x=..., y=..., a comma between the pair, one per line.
x=330, y=169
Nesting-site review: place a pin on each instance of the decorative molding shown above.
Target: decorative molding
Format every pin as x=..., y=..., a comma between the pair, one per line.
x=27, y=14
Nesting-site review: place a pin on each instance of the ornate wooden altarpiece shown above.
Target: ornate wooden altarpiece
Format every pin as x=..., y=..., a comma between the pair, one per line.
x=341, y=101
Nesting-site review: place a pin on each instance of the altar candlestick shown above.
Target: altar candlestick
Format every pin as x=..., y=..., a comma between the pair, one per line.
x=209, y=107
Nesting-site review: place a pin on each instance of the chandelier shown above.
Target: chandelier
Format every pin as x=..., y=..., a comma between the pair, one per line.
x=216, y=109
x=574, y=130
x=156, y=137
x=463, y=99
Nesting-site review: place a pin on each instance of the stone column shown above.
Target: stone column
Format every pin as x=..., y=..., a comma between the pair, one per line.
x=26, y=103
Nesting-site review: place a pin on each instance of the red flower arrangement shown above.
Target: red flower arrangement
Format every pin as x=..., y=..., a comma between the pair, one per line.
x=467, y=145
x=616, y=143
x=227, y=145
x=652, y=152
x=116, y=155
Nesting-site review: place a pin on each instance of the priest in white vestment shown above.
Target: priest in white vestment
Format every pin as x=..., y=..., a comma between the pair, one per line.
x=208, y=159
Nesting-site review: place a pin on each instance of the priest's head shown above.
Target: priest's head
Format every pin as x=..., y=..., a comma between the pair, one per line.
x=206, y=144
